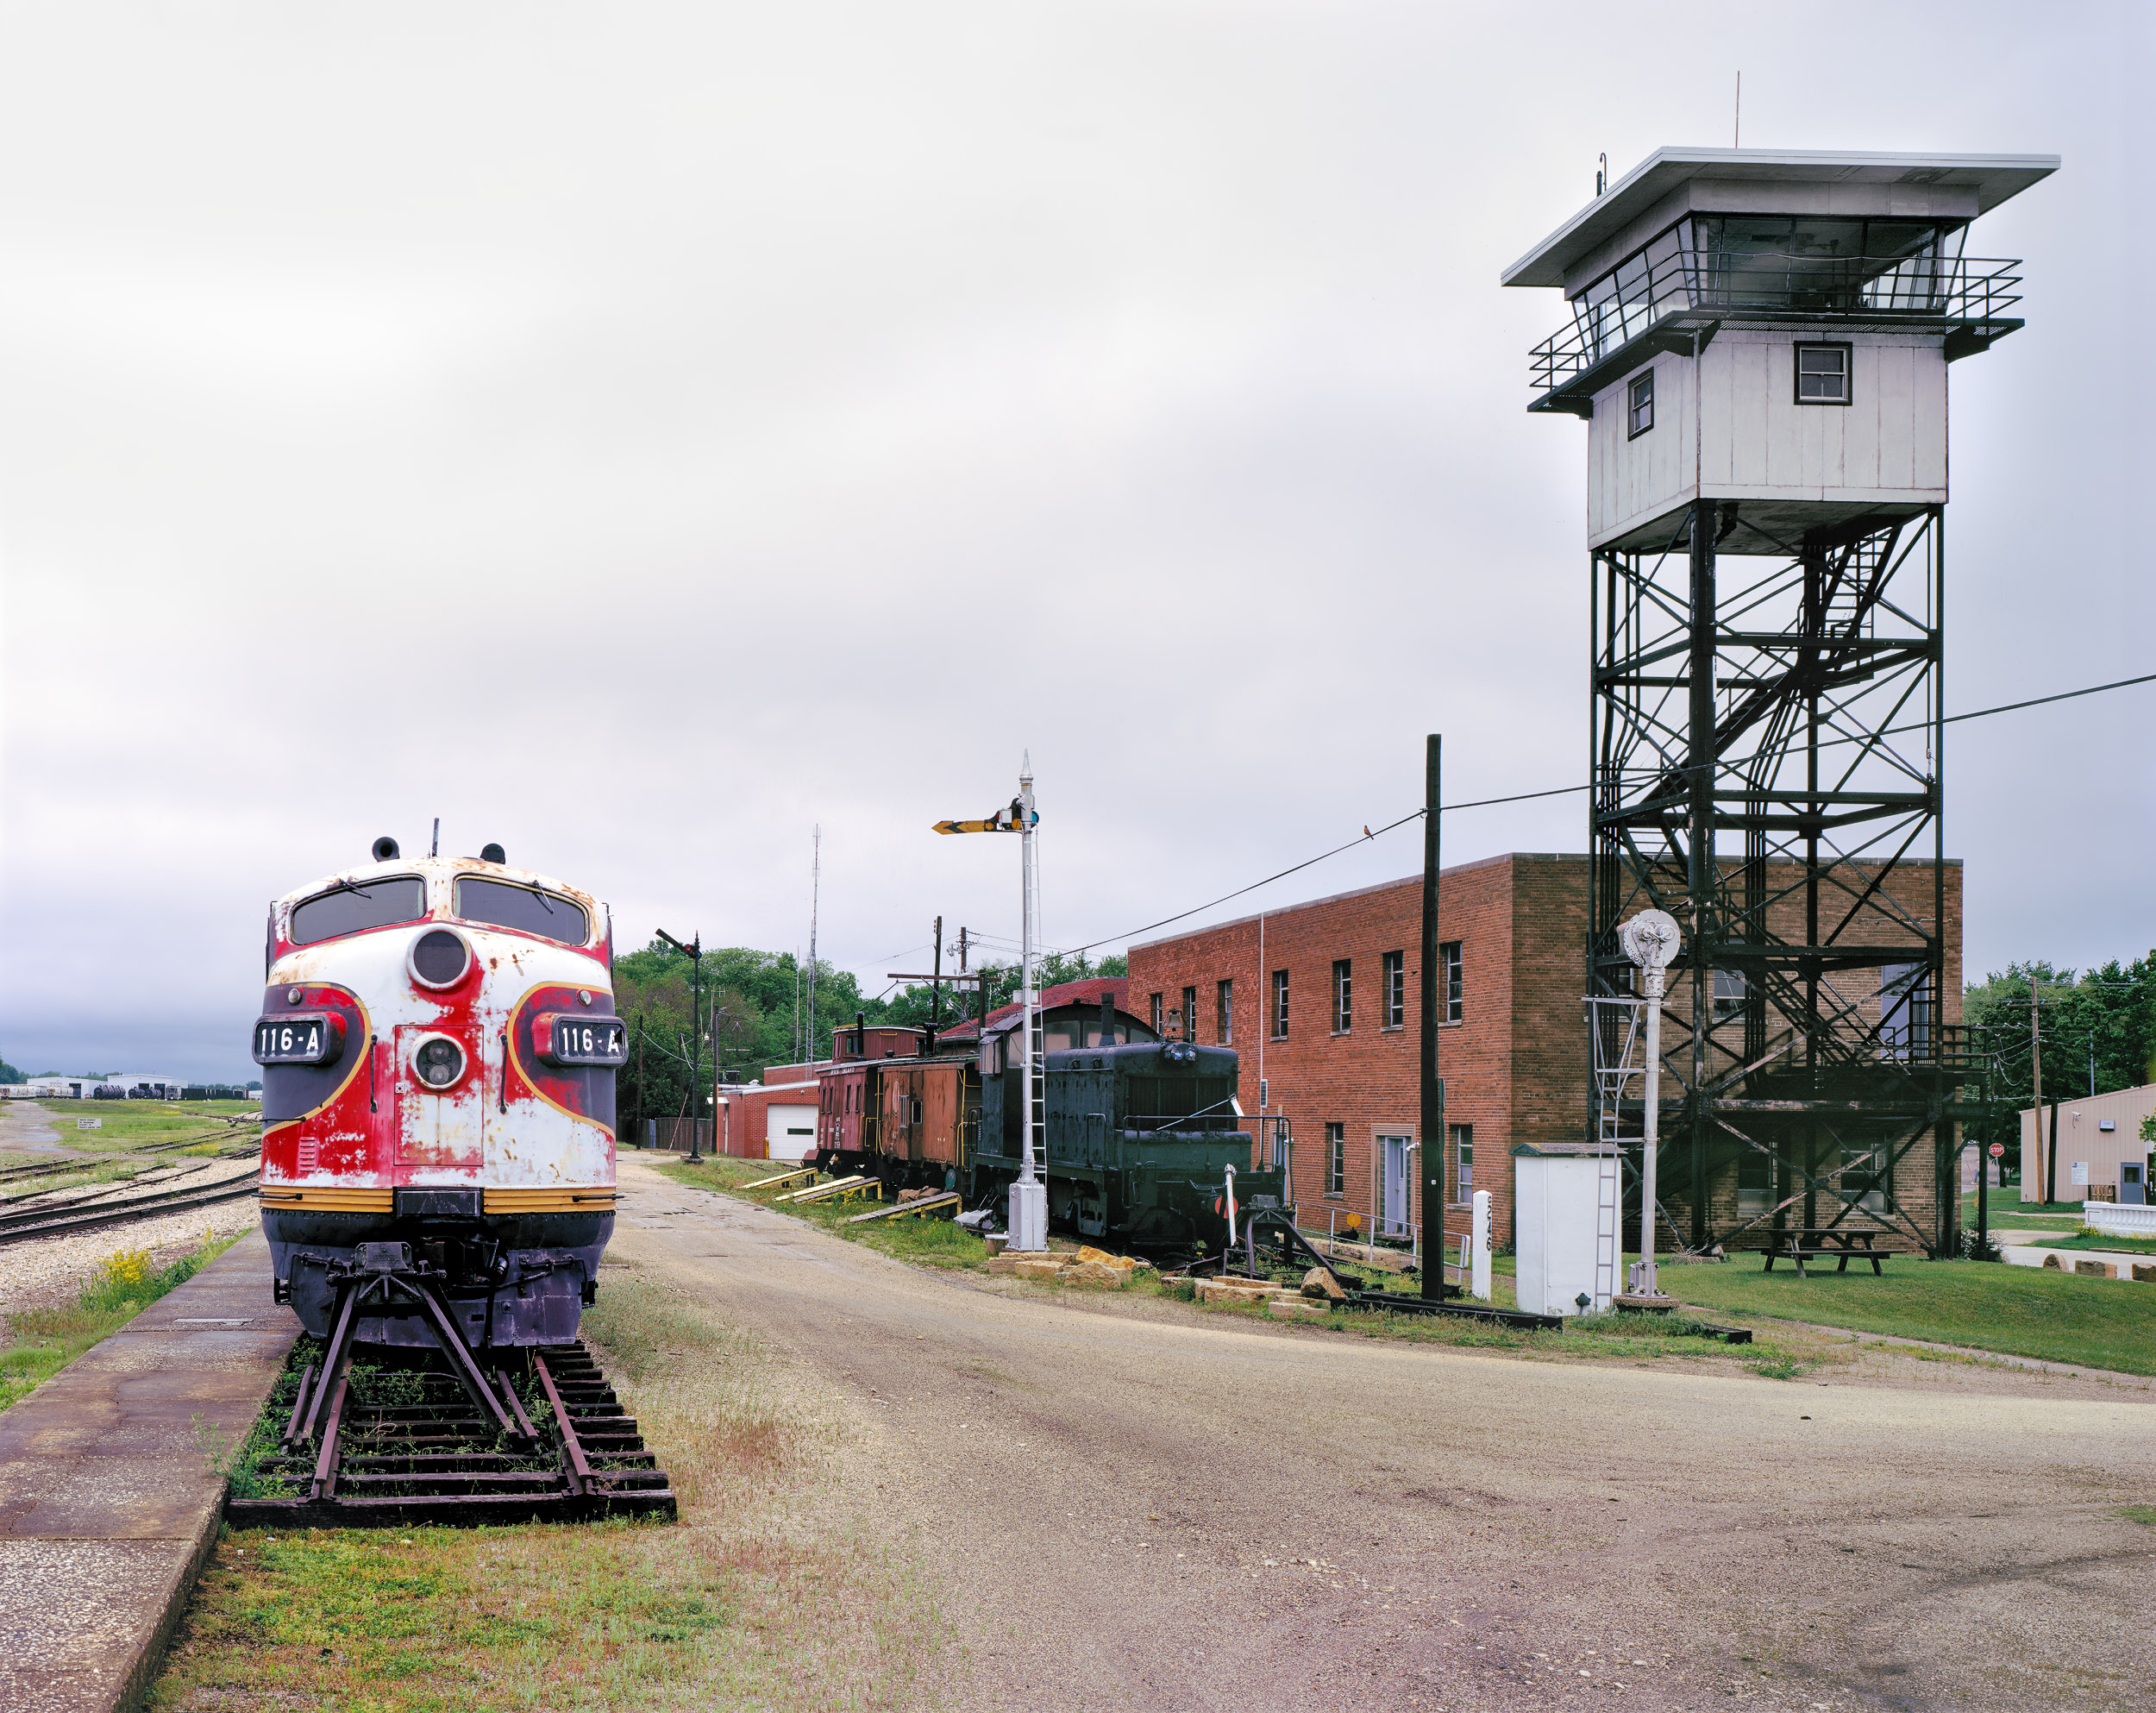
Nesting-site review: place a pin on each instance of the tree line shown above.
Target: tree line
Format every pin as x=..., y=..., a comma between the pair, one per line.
x=755, y=1015
x=2096, y=1030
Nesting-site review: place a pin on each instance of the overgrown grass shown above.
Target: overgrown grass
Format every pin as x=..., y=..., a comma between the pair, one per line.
x=754, y=1600
x=130, y=1125
x=2020, y=1311
x=91, y=1173
x=42, y=1341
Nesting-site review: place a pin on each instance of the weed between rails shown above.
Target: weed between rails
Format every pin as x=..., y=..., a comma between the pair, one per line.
x=755, y=1599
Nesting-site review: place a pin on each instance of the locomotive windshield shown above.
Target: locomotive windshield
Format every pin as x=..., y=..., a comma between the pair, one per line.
x=349, y=909
x=526, y=909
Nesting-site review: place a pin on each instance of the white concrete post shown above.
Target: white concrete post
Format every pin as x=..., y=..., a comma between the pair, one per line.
x=1478, y=1286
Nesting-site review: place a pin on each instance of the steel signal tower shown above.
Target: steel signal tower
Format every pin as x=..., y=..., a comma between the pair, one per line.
x=1759, y=344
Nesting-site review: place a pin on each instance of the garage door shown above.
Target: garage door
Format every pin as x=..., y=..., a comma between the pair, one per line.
x=789, y=1131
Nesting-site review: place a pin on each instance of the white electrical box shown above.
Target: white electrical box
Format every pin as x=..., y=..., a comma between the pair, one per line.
x=1558, y=1196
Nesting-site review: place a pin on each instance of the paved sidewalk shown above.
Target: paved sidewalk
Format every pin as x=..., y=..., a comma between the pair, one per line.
x=108, y=1506
x=2032, y=1255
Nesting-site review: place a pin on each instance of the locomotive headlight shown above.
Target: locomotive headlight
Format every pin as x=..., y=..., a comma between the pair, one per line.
x=439, y=958
x=439, y=1061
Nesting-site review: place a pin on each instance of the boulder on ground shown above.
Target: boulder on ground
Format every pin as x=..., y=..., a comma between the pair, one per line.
x=1097, y=1275
x=1038, y=1267
x=2052, y=1261
x=2145, y=1272
x=2095, y=1269
x=1298, y=1308
x=1320, y=1283
x=1101, y=1257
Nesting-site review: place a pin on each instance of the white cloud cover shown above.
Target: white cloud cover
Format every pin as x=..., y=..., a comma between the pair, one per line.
x=638, y=433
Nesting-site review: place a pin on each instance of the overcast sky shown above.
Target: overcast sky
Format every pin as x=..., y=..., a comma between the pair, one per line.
x=639, y=434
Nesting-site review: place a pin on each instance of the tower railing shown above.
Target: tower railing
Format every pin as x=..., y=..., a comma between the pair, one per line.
x=1706, y=284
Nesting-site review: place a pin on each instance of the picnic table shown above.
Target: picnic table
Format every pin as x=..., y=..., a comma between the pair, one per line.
x=1801, y=1243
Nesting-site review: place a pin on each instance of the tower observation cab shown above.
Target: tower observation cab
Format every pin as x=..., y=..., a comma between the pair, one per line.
x=1759, y=343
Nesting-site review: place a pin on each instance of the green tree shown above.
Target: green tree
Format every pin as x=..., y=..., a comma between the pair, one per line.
x=2097, y=1024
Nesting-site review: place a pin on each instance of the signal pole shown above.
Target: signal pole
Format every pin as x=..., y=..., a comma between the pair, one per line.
x=1029, y=1194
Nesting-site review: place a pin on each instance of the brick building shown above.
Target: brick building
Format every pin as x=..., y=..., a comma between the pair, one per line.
x=1323, y=1001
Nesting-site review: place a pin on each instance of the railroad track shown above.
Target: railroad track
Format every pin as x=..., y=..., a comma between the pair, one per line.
x=396, y=1446
x=57, y=1222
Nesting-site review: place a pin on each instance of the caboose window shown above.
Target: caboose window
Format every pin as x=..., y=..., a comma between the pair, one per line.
x=352, y=909
x=524, y=908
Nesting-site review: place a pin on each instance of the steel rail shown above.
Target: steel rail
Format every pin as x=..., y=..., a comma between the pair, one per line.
x=148, y=1208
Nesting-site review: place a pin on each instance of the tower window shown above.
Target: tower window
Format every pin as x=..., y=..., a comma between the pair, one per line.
x=1822, y=374
x=1343, y=996
x=1639, y=403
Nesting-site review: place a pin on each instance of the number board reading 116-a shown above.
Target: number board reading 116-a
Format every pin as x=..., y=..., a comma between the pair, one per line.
x=566, y=1039
x=304, y=1037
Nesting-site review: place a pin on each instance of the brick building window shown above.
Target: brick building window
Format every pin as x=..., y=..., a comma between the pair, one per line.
x=1336, y=1159
x=1280, y=1005
x=1463, y=1139
x=1157, y=1012
x=1453, y=1004
x=1224, y=1012
x=1343, y=996
x=1729, y=995
x=1396, y=990
x=1190, y=1013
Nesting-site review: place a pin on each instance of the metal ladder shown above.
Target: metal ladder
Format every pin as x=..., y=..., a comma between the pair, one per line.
x=1614, y=1023
x=1038, y=1118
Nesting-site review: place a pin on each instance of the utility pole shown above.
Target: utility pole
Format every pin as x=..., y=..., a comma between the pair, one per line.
x=815, y=889
x=935, y=988
x=2043, y=1174
x=694, y=952
x=1431, y=1122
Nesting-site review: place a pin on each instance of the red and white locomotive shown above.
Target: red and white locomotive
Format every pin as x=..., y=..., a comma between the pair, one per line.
x=438, y=1046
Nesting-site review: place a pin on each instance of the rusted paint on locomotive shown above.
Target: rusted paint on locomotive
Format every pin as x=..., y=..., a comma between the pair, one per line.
x=451, y=1116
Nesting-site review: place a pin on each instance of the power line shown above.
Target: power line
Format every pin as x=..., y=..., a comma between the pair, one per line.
x=1567, y=791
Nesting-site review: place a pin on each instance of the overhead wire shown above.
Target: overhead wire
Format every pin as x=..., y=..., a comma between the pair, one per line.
x=1368, y=835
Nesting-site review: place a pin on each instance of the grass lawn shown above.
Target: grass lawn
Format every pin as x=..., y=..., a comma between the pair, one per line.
x=40, y=1342
x=128, y=1125
x=2021, y=1311
x=2005, y=1205
x=758, y=1597
x=2125, y=1246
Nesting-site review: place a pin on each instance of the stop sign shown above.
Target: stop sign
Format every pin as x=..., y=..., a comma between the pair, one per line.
x=1998, y=1150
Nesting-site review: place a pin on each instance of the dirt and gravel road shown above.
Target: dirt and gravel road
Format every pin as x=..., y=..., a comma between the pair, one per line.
x=1130, y=1504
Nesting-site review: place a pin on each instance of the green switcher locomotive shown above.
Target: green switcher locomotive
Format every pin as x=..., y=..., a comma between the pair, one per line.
x=1146, y=1143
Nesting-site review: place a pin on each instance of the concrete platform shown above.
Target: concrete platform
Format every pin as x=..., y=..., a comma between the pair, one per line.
x=108, y=1507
